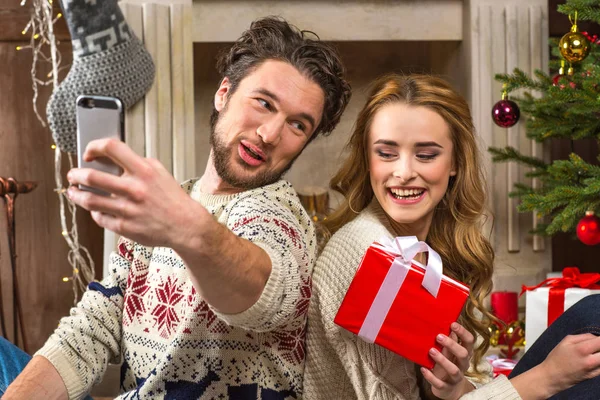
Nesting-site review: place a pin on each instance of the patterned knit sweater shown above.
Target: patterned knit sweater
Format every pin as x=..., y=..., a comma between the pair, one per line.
x=340, y=365
x=172, y=344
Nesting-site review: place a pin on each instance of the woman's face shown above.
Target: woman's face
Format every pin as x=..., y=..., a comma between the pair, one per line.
x=410, y=163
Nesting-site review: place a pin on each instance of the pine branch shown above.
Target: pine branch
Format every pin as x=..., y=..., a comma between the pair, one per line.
x=511, y=154
x=587, y=10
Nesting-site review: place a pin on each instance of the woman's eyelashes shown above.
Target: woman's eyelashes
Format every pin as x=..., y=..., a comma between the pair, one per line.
x=427, y=156
x=388, y=155
x=385, y=155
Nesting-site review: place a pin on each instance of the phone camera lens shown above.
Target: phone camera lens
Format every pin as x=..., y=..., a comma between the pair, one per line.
x=90, y=103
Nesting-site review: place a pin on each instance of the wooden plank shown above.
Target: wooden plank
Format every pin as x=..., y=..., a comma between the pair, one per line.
x=489, y=64
x=151, y=99
x=135, y=116
x=480, y=64
x=189, y=103
x=158, y=100
x=179, y=88
x=163, y=82
x=512, y=61
x=536, y=63
x=524, y=51
x=26, y=155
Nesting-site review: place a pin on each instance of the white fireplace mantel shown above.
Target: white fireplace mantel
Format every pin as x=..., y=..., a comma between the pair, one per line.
x=224, y=21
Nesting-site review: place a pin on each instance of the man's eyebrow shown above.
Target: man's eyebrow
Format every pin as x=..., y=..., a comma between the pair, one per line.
x=268, y=93
x=273, y=96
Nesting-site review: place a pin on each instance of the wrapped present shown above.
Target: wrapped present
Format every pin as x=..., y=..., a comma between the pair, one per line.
x=548, y=300
x=502, y=366
x=400, y=304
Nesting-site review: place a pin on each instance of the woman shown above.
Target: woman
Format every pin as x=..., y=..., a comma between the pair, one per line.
x=413, y=170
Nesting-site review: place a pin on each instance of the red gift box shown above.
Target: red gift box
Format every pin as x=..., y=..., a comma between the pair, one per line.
x=398, y=303
x=502, y=366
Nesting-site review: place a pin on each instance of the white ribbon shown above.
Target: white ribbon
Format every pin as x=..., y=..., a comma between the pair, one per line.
x=405, y=248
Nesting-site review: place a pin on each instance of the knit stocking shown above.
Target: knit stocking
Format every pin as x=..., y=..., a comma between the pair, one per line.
x=108, y=60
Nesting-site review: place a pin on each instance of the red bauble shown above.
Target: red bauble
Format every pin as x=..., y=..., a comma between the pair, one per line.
x=555, y=82
x=555, y=79
x=506, y=113
x=588, y=229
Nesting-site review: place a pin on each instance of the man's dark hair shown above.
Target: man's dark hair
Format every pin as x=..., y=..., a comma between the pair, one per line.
x=273, y=38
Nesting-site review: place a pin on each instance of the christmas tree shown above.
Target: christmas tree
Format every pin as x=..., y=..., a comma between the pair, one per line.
x=569, y=107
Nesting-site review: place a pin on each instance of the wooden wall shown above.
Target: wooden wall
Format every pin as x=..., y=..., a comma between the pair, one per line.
x=25, y=154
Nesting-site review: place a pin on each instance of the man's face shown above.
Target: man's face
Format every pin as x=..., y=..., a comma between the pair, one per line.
x=264, y=125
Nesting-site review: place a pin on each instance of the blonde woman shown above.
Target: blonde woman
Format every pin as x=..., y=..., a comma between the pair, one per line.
x=412, y=170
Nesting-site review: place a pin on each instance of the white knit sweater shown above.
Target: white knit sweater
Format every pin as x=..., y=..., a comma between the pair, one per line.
x=173, y=345
x=339, y=364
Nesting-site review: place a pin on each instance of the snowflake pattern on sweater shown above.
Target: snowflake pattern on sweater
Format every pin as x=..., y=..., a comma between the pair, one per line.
x=172, y=345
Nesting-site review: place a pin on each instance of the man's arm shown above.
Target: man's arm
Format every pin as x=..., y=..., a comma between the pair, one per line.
x=39, y=380
x=75, y=356
x=149, y=207
x=228, y=272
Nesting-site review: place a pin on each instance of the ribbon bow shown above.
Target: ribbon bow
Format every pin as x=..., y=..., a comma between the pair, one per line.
x=571, y=278
x=405, y=249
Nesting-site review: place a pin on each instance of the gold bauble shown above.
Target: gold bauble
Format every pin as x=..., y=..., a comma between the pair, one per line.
x=574, y=46
x=494, y=334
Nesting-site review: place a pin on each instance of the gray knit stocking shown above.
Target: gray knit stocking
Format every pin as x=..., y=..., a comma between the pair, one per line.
x=108, y=60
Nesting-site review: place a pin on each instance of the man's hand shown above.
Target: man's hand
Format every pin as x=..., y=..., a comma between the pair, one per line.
x=447, y=377
x=147, y=205
x=575, y=359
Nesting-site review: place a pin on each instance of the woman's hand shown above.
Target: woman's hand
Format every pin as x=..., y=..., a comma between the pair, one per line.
x=575, y=359
x=447, y=377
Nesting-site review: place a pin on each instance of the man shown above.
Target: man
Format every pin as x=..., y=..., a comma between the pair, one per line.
x=208, y=290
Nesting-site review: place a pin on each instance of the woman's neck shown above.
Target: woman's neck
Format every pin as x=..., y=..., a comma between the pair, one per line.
x=420, y=228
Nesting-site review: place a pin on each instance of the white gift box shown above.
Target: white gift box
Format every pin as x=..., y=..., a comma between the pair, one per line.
x=536, y=310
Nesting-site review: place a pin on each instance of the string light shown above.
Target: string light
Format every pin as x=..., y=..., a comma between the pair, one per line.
x=41, y=28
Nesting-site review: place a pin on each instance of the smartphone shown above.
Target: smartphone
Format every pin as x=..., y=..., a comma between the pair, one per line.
x=98, y=117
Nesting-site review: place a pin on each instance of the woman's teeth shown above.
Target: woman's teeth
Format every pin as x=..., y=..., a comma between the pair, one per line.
x=406, y=193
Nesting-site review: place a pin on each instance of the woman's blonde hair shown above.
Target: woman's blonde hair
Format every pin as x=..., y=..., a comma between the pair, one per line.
x=455, y=231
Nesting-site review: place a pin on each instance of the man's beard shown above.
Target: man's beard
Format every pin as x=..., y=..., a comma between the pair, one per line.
x=224, y=158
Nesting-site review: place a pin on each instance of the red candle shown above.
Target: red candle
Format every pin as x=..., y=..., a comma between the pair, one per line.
x=505, y=306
